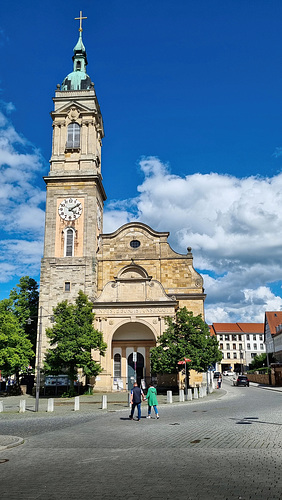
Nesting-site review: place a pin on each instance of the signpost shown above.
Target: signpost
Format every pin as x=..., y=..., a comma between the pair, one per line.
x=134, y=359
x=186, y=360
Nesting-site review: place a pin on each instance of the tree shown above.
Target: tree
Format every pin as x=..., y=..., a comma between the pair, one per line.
x=259, y=361
x=25, y=299
x=15, y=347
x=72, y=339
x=186, y=336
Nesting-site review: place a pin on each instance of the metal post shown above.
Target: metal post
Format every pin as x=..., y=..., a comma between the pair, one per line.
x=208, y=389
x=37, y=392
x=185, y=382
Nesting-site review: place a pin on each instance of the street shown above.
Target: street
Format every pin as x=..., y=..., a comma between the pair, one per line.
x=223, y=448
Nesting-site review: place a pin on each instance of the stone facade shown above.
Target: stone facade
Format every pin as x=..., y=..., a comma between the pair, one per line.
x=133, y=277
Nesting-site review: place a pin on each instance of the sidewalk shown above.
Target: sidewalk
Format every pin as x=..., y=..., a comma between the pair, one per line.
x=117, y=401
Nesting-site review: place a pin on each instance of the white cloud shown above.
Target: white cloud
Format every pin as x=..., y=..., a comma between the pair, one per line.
x=21, y=201
x=233, y=226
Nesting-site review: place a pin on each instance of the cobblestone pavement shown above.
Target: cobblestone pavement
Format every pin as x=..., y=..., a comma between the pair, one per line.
x=225, y=447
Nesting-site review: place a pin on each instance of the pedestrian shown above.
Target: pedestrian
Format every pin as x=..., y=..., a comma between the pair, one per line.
x=135, y=399
x=152, y=401
x=219, y=380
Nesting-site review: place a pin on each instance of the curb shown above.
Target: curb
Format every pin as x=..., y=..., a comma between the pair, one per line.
x=7, y=442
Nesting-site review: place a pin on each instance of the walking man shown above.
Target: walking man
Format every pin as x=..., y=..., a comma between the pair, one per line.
x=135, y=399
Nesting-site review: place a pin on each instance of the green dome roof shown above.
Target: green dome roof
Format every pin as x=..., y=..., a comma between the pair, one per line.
x=78, y=78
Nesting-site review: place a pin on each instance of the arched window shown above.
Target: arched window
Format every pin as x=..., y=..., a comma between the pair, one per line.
x=117, y=365
x=73, y=139
x=69, y=242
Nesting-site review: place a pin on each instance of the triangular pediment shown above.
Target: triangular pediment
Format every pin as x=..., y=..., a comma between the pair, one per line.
x=67, y=107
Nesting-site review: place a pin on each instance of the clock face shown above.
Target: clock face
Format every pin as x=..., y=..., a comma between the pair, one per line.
x=70, y=209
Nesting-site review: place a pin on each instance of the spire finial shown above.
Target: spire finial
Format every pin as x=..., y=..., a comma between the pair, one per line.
x=80, y=19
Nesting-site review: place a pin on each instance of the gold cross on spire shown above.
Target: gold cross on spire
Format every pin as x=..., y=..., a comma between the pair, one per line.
x=80, y=19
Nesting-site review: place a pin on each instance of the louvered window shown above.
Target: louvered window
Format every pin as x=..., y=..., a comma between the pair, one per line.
x=69, y=240
x=117, y=365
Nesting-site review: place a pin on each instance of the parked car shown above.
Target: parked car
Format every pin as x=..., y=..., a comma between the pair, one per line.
x=228, y=373
x=241, y=380
x=216, y=375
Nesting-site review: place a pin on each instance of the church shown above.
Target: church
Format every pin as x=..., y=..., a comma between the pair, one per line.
x=133, y=277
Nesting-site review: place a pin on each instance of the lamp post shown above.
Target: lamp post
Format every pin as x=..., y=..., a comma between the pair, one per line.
x=241, y=361
x=186, y=360
x=38, y=352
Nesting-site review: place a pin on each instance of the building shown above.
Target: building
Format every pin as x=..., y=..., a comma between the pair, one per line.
x=239, y=344
x=273, y=336
x=132, y=275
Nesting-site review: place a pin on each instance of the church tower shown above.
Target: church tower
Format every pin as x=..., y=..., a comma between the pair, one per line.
x=75, y=193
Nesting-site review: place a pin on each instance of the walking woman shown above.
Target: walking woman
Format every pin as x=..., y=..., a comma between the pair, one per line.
x=152, y=400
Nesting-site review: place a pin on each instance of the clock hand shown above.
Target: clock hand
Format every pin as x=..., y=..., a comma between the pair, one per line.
x=75, y=206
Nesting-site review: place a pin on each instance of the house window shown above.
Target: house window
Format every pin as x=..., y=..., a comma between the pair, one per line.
x=221, y=346
x=254, y=337
x=240, y=347
x=220, y=337
x=117, y=365
x=261, y=347
x=253, y=354
x=233, y=337
x=69, y=242
x=260, y=337
x=240, y=337
x=228, y=346
x=248, y=336
x=67, y=286
x=234, y=346
x=255, y=347
x=248, y=346
x=235, y=355
x=73, y=139
x=228, y=355
x=226, y=337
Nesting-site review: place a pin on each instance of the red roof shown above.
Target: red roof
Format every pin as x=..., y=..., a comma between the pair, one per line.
x=220, y=328
x=252, y=327
x=273, y=318
x=227, y=328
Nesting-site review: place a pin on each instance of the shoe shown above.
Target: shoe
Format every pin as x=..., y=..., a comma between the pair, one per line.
x=138, y=419
x=130, y=417
x=149, y=416
x=157, y=416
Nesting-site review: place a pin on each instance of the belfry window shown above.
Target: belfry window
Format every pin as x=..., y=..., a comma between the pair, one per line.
x=117, y=365
x=69, y=242
x=73, y=139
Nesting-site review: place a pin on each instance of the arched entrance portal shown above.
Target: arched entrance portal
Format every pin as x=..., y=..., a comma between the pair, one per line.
x=135, y=369
x=131, y=341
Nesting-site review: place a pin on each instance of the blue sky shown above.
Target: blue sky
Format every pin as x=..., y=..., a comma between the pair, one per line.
x=191, y=97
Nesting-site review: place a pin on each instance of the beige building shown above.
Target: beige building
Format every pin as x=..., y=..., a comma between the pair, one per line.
x=132, y=276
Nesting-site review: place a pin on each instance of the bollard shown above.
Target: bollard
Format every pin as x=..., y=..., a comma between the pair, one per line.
x=1, y=406
x=104, y=402
x=189, y=395
x=50, y=404
x=200, y=392
x=181, y=395
x=195, y=393
x=76, y=403
x=128, y=400
x=22, y=406
x=169, y=396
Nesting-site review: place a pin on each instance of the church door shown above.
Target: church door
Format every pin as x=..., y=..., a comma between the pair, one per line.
x=131, y=370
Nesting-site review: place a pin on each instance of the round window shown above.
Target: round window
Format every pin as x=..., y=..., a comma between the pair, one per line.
x=135, y=244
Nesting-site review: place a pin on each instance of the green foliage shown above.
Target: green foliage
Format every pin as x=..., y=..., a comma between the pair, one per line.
x=259, y=361
x=15, y=348
x=186, y=336
x=25, y=297
x=72, y=338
